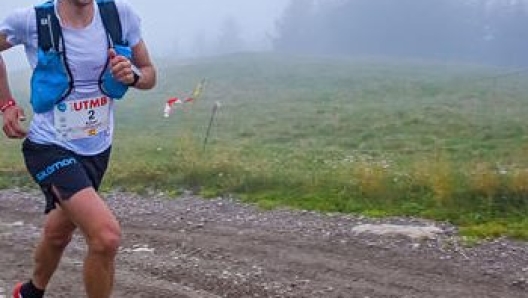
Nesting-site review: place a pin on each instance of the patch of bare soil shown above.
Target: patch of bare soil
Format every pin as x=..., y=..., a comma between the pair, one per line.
x=196, y=248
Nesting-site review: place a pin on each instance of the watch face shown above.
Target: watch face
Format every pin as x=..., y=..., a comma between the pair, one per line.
x=136, y=71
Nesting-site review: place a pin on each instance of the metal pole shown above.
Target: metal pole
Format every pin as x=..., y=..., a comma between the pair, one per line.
x=213, y=114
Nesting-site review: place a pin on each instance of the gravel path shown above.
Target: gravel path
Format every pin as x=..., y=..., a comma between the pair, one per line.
x=191, y=247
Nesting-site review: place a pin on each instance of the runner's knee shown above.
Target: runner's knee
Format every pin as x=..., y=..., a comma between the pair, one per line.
x=106, y=241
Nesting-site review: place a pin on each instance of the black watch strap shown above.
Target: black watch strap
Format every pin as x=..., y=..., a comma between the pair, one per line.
x=136, y=79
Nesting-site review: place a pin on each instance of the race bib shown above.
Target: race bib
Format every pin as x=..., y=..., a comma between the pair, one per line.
x=83, y=118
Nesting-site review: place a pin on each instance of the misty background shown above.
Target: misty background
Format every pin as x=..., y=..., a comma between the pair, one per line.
x=189, y=28
x=474, y=31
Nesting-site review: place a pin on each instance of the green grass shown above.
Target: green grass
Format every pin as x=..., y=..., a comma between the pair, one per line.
x=375, y=137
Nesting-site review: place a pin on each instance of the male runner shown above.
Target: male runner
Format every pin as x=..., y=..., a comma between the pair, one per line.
x=67, y=146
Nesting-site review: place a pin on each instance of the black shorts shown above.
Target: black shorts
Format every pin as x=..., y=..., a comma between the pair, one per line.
x=68, y=173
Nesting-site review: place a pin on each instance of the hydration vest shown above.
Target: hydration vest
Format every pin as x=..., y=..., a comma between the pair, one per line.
x=52, y=80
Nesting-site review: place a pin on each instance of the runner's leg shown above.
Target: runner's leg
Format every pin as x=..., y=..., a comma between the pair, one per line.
x=103, y=235
x=58, y=231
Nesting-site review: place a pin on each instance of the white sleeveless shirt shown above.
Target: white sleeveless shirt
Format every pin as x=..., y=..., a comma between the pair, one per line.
x=70, y=125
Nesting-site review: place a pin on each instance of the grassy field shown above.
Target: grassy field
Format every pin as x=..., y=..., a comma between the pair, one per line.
x=377, y=137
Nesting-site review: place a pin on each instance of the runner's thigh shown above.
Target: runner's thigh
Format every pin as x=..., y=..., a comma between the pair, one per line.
x=90, y=213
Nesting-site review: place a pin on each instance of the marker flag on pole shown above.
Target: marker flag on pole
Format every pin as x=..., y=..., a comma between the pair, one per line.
x=197, y=92
x=172, y=103
x=169, y=105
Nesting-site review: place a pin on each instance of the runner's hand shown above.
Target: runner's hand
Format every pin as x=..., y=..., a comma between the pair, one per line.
x=121, y=68
x=12, y=118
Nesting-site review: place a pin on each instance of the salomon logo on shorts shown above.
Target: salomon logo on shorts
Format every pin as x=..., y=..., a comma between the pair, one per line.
x=50, y=170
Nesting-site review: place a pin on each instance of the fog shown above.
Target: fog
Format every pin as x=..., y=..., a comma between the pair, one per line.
x=183, y=28
x=475, y=31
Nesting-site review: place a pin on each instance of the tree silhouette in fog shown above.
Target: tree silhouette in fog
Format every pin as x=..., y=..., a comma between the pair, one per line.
x=473, y=31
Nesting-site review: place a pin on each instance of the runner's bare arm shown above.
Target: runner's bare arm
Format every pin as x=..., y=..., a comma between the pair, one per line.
x=123, y=69
x=12, y=114
x=5, y=93
x=142, y=61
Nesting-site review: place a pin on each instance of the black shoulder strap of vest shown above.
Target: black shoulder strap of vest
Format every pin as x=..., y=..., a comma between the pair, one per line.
x=48, y=27
x=111, y=20
x=50, y=32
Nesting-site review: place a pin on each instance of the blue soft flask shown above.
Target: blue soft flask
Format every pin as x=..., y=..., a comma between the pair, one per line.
x=50, y=81
x=108, y=84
